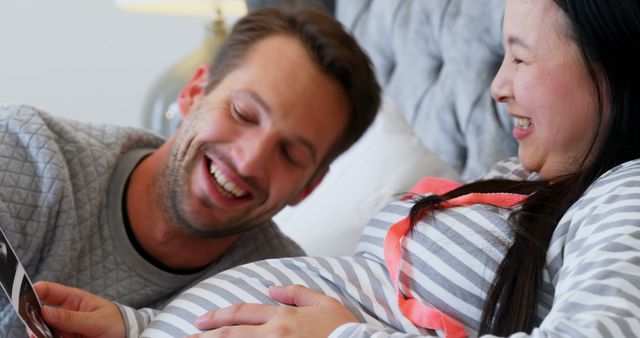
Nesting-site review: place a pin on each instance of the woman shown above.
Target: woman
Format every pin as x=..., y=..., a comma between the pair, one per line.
x=562, y=261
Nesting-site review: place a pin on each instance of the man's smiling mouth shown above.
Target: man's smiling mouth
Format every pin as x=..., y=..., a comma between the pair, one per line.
x=225, y=186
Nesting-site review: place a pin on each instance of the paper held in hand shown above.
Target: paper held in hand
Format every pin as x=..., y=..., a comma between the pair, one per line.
x=18, y=288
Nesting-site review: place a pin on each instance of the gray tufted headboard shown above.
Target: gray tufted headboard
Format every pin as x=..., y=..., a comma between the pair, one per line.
x=436, y=60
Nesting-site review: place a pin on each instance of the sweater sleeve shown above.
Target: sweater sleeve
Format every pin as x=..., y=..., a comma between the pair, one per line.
x=136, y=320
x=596, y=248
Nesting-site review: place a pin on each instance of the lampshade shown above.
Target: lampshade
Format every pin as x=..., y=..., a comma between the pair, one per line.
x=208, y=8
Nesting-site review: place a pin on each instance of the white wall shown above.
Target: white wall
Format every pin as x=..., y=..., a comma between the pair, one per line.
x=86, y=59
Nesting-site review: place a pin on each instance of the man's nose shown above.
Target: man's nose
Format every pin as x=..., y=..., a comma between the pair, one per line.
x=253, y=154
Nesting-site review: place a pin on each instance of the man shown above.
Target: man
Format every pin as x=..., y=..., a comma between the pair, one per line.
x=122, y=214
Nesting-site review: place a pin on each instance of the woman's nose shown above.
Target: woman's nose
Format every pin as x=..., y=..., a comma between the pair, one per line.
x=501, y=87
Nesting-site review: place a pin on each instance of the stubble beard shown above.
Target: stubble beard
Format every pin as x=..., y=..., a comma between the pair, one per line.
x=173, y=194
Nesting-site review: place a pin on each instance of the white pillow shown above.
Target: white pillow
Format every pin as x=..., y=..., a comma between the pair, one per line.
x=387, y=161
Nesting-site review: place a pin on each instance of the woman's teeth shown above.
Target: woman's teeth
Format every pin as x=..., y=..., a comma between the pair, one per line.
x=225, y=185
x=522, y=122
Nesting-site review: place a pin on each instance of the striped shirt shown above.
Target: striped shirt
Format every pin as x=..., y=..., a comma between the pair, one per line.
x=591, y=281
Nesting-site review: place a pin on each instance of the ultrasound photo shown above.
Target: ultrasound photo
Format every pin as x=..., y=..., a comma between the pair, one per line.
x=19, y=290
x=8, y=265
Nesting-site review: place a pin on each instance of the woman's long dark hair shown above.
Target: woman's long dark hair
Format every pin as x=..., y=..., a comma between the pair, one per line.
x=606, y=33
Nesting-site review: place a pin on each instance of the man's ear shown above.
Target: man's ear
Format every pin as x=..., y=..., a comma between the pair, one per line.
x=193, y=89
x=309, y=188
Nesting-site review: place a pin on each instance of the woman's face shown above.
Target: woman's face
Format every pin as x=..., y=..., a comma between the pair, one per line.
x=547, y=87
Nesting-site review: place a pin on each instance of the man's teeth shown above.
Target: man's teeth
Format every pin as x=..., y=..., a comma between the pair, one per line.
x=522, y=122
x=223, y=183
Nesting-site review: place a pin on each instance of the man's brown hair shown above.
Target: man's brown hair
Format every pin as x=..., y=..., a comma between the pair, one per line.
x=336, y=53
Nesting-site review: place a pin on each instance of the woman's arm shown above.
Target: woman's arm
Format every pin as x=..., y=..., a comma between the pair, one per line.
x=312, y=314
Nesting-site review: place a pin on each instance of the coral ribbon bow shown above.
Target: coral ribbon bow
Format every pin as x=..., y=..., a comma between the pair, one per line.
x=418, y=313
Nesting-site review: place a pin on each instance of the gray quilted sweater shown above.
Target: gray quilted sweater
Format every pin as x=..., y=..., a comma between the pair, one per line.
x=61, y=184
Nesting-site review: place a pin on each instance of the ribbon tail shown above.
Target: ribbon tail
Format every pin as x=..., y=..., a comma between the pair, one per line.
x=453, y=328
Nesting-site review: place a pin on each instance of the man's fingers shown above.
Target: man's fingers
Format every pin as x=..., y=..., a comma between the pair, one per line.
x=66, y=297
x=239, y=314
x=297, y=295
x=59, y=295
x=69, y=321
x=45, y=293
x=77, y=312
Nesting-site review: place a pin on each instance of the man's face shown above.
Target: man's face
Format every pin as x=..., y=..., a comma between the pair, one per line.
x=255, y=142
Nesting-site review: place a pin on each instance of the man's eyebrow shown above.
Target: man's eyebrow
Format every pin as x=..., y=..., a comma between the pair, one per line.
x=514, y=40
x=264, y=106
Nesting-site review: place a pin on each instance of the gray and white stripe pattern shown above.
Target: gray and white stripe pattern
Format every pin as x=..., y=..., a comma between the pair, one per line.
x=591, y=281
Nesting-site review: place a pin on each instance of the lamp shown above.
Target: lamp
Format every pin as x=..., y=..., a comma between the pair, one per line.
x=160, y=113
